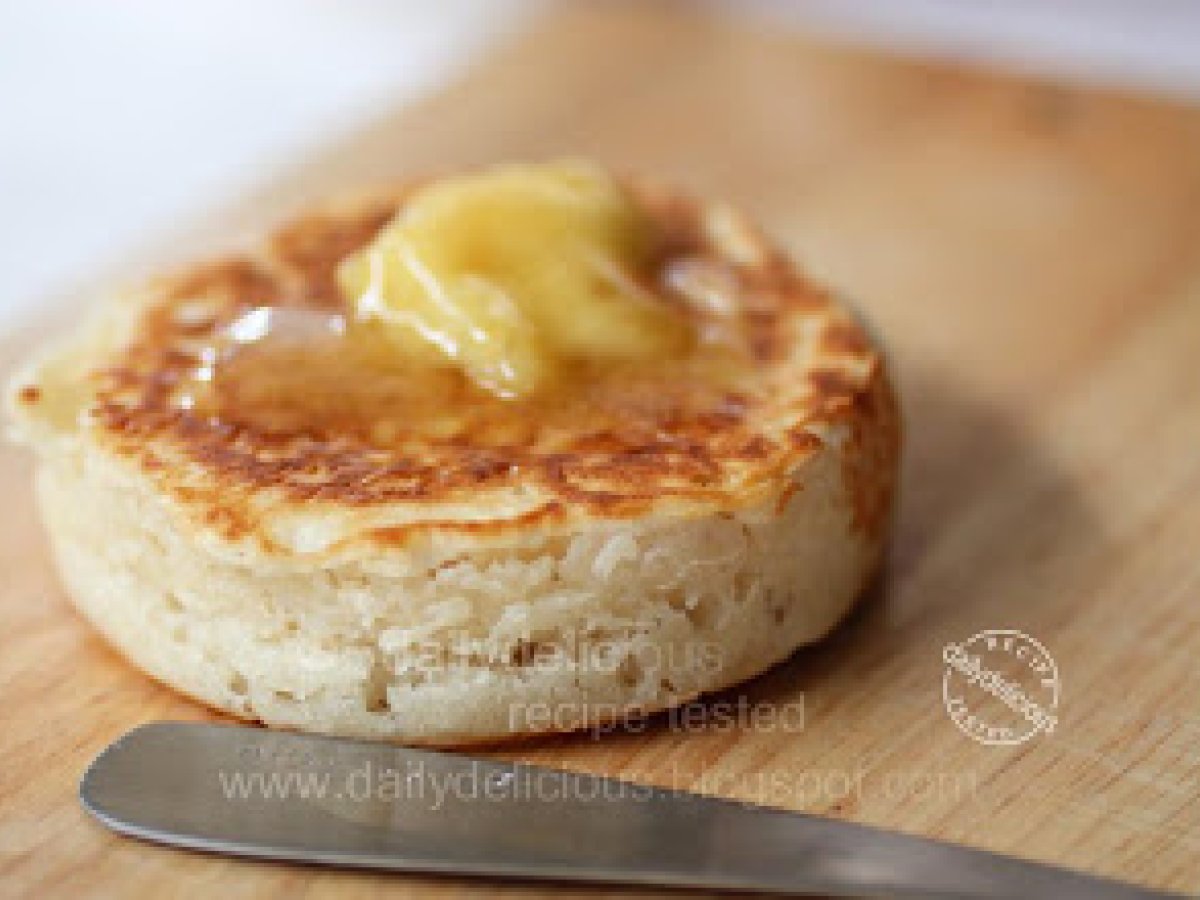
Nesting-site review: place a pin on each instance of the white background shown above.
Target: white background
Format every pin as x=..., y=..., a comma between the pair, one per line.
x=118, y=117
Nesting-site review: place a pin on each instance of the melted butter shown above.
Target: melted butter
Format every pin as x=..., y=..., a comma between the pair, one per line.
x=64, y=392
x=525, y=305
x=515, y=275
x=295, y=371
x=301, y=370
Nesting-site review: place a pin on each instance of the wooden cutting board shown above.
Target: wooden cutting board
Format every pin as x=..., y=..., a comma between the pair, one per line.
x=1032, y=254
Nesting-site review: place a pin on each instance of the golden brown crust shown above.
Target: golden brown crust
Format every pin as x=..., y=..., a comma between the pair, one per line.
x=622, y=449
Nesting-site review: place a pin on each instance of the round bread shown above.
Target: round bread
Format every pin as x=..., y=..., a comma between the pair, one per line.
x=538, y=570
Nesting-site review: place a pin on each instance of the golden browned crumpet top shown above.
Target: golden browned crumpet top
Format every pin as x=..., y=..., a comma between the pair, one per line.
x=325, y=455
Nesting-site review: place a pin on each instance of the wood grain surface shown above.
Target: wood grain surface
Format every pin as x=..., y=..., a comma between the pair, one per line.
x=1032, y=255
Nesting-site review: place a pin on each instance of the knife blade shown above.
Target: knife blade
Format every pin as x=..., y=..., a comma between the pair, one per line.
x=283, y=796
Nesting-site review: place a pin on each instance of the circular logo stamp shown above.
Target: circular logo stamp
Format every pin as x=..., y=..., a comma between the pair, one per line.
x=1001, y=687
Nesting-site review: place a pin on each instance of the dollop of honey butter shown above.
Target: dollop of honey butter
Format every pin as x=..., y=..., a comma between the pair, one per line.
x=512, y=274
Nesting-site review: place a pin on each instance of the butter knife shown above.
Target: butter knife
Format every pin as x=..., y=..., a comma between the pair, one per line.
x=276, y=795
